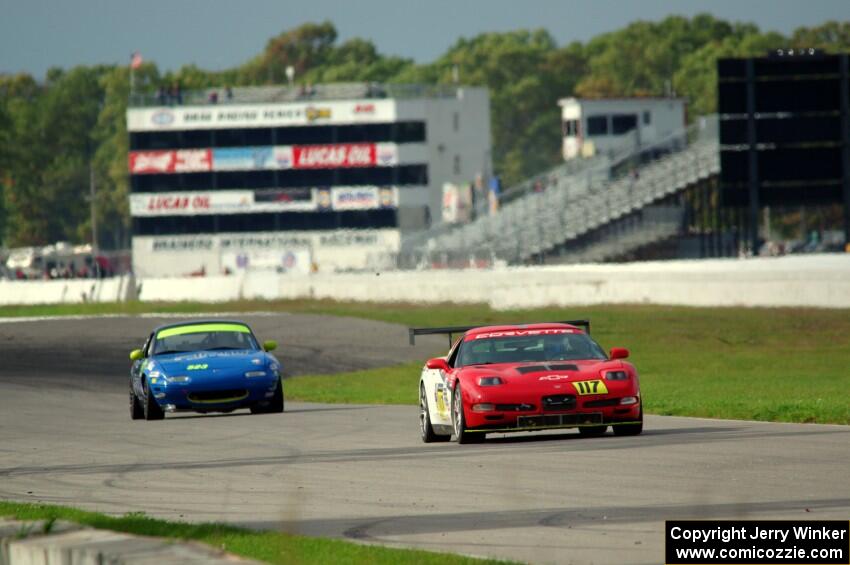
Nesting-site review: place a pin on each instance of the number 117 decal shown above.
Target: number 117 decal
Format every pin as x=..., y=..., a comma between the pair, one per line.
x=584, y=388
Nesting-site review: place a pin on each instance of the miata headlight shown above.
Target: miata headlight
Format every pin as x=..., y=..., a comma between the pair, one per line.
x=250, y=374
x=179, y=379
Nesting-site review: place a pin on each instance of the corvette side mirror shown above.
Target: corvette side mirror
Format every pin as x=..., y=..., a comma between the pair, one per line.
x=136, y=354
x=269, y=345
x=619, y=353
x=437, y=363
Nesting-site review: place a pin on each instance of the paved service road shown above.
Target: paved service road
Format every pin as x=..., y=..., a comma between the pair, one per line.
x=361, y=472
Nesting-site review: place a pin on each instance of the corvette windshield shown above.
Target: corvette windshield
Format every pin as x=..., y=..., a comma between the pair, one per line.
x=540, y=348
x=203, y=337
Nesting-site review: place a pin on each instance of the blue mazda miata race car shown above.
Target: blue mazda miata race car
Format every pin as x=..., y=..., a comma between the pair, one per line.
x=204, y=366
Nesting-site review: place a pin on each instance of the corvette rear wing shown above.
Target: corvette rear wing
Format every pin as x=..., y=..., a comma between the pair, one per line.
x=450, y=330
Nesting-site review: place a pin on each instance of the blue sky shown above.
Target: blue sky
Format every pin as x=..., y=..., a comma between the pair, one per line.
x=217, y=34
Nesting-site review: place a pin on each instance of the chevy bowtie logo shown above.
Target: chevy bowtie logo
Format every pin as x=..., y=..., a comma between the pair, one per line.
x=553, y=377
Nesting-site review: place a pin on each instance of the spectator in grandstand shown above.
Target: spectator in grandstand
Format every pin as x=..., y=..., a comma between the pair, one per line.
x=228, y=93
x=634, y=175
x=161, y=96
x=213, y=97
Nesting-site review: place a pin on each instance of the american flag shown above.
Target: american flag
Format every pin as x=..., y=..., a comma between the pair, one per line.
x=136, y=60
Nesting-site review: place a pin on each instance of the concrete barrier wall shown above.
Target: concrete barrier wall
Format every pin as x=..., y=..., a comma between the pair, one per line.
x=815, y=281
x=66, y=291
x=806, y=280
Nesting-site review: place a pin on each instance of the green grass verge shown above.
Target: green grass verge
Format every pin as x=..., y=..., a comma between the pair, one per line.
x=271, y=547
x=779, y=364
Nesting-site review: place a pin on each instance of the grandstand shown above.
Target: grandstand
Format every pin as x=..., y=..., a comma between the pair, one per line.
x=594, y=209
x=324, y=177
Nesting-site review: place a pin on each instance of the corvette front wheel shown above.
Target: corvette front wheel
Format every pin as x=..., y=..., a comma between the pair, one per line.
x=459, y=420
x=426, y=431
x=630, y=429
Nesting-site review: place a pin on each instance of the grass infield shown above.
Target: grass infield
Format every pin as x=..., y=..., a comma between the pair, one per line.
x=271, y=547
x=777, y=364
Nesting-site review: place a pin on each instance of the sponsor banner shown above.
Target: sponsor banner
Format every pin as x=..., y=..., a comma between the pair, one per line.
x=221, y=202
x=323, y=199
x=389, y=238
x=345, y=155
x=288, y=195
x=282, y=156
x=457, y=203
x=261, y=115
x=262, y=200
x=243, y=158
x=190, y=203
x=284, y=200
x=170, y=161
x=386, y=154
x=295, y=260
x=363, y=198
x=330, y=251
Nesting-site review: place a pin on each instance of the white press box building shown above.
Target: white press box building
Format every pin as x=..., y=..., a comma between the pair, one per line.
x=277, y=178
x=607, y=126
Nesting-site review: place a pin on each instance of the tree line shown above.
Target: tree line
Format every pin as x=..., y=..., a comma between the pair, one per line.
x=54, y=129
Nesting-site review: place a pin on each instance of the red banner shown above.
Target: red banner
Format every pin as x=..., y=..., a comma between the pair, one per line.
x=334, y=156
x=180, y=161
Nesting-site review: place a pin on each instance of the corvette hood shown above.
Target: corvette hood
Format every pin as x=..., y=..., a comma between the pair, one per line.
x=211, y=361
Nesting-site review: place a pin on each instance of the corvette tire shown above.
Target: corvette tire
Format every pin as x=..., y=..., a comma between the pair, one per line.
x=136, y=410
x=630, y=429
x=275, y=405
x=459, y=420
x=151, y=409
x=426, y=431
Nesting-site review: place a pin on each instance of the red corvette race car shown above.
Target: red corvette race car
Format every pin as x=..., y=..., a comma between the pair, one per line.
x=528, y=377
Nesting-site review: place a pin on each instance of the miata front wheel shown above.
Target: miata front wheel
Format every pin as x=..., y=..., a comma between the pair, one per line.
x=136, y=410
x=151, y=409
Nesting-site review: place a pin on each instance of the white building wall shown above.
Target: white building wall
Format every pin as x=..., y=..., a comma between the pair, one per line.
x=470, y=142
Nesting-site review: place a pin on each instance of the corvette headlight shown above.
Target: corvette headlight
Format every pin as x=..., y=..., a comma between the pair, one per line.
x=250, y=374
x=483, y=407
x=490, y=381
x=616, y=376
x=179, y=379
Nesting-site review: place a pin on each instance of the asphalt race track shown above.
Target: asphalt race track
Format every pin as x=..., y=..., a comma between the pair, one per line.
x=361, y=472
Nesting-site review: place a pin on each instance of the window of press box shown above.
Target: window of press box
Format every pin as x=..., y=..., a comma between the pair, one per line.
x=397, y=132
x=623, y=123
x=289, y=178
x=647, y=118
x=597, y=125
x=570, y=128
x=258, y=222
